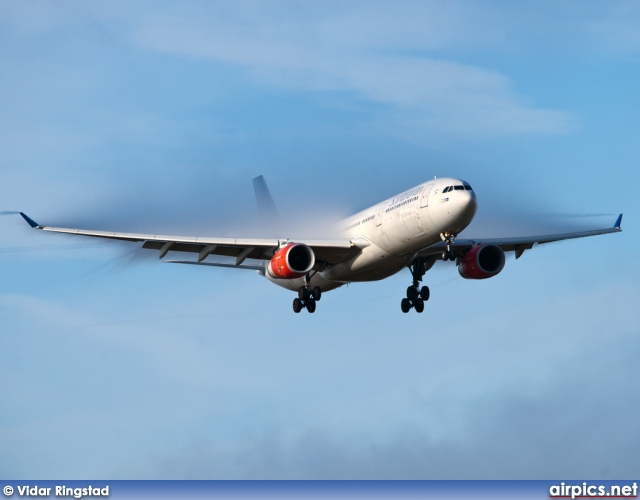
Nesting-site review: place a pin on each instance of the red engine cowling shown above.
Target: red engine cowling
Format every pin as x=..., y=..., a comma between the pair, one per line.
x=292, y=261
x=481, y=262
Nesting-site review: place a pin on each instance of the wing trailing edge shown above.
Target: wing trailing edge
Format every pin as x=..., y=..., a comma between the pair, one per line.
x=218, y=264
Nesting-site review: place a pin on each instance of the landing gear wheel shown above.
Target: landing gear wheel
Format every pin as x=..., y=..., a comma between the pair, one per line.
x=307, y=297
x=297, y=305
x=416, y=295
x=405, y=305
x=303, y=293
x=311, y=305
x=445, y=255
x=452, y=255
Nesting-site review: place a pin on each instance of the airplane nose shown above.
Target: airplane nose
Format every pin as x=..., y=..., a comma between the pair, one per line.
x=455, y=210
x=467, y=203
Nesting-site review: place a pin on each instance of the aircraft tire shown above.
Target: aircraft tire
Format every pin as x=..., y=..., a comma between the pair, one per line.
x=452, y=255
x=297, y=305
x=419, y=305
x=412, y=293
x=445, y=255
x=424, y=293
x=303, y=293
x=317, y=293
x=311, y=305
x=405, y=305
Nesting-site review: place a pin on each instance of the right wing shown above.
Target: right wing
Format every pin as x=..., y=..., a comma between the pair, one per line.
x=519, y=244
x=326, y=251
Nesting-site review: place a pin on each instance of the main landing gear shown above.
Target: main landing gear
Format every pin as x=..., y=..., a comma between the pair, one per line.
x=416, y=297
x=307, y=297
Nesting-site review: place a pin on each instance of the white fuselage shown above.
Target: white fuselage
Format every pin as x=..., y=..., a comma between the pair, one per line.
x=395, y=230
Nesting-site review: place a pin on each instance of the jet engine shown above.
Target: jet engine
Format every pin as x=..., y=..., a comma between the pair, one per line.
x=291, y=261
x=481, y=262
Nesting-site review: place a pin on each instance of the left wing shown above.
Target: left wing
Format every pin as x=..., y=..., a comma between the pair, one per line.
x=326, y=251
x=520, y=244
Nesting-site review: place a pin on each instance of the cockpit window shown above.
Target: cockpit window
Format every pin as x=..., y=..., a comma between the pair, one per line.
x=458, y=188
x=467, y=186
x=447, y=189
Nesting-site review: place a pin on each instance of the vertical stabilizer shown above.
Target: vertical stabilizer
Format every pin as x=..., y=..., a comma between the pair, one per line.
x=266, y=207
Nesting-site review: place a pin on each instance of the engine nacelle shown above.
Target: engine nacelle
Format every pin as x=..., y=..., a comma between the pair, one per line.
x=481, y=262
x=292, y=261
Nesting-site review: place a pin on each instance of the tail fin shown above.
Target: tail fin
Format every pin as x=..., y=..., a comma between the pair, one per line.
x=266, y=207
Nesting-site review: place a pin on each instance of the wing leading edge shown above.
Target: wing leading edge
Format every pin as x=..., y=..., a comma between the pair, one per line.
x=328, y=251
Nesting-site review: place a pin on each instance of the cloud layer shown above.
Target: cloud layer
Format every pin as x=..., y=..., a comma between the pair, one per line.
x=389, y=55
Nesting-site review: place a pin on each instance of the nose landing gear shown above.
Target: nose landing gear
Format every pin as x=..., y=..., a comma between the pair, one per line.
x=416, y=297
x=448, y=254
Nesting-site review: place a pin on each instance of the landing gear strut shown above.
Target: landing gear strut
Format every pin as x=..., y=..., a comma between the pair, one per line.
x=448, y=254
x=307, y=297
x=416, y=297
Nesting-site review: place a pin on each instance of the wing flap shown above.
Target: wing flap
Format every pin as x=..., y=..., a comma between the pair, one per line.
x=225, y=250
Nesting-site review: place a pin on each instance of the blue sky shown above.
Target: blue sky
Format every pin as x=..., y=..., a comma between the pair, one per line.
x=156, y=116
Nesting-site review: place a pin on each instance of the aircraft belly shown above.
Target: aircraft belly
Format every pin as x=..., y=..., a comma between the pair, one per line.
x=373, y=263
x=295, y=284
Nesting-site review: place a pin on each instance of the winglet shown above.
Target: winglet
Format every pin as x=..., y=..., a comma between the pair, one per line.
x=618, y=222
x=30, y=221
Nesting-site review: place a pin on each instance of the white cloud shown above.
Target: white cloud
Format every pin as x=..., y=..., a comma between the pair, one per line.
x=376, y=52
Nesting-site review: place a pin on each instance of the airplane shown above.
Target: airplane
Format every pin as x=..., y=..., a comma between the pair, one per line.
x=413, y=229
